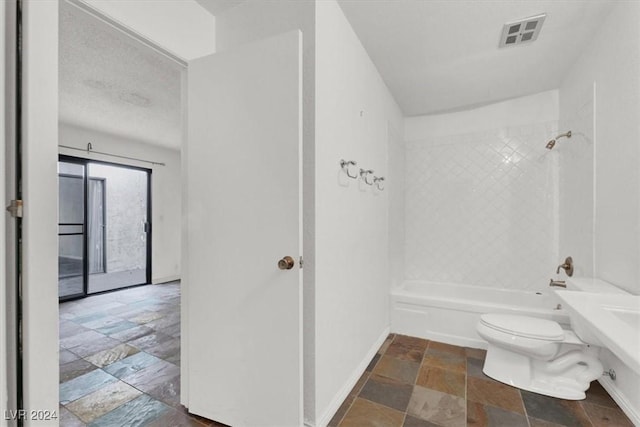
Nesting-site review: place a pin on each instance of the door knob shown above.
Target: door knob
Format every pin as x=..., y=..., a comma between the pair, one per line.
x=286, y=263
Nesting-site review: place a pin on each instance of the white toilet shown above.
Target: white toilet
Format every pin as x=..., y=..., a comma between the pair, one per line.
x=539, y=355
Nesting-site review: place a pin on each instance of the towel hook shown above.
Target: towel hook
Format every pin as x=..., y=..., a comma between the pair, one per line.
x=379, y=181
x=344, y=164
x=364, y=174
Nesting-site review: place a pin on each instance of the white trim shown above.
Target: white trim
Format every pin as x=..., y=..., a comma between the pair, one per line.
x=621, y=399
x=98, y=14
x=166, y=279
x=342, y=394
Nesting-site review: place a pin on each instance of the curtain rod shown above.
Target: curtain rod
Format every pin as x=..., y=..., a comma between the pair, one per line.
x=89, y=149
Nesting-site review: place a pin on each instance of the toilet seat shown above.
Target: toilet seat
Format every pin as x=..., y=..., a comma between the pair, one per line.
x=524, y=326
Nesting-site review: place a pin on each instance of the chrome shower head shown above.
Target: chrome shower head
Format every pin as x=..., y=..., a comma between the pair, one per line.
x=552, y=143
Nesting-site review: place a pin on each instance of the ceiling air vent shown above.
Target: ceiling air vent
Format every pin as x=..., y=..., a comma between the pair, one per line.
x=523, y=31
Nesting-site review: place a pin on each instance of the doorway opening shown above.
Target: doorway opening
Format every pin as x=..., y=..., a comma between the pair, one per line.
x=104, y=229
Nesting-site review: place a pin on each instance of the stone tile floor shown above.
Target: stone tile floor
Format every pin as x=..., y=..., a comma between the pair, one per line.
x=120, y=360
x=418, y=383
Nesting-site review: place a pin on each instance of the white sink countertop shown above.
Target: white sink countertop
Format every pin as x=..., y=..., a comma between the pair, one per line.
x=607, y=320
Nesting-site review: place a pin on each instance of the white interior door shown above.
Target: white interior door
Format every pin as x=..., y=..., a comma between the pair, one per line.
x=243, y=169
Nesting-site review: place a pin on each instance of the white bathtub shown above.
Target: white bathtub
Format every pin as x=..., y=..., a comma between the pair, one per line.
x=449, y=312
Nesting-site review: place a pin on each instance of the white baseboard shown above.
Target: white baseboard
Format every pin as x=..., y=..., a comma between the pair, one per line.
x=621, y=399
x=350, y=383
x=159, y=280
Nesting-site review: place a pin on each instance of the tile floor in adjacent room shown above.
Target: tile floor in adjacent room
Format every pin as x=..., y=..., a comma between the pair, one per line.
x=120, y=359
x=418, y=383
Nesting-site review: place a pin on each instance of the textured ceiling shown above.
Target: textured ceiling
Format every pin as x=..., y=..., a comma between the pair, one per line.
x=443, y=55
x=112, y=83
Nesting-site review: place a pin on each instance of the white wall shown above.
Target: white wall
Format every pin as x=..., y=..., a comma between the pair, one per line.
x=250, y=21
x=480, y=200
x=165, y=190
x=396, y=188
x=612, y=62
x=353, y=112
x=600, y=98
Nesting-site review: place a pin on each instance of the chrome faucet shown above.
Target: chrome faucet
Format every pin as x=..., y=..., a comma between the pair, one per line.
x=557, y=283
x=567, y=267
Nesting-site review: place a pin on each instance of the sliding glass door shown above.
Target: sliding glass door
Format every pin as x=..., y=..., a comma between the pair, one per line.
x=104, y=232
x=71, y=229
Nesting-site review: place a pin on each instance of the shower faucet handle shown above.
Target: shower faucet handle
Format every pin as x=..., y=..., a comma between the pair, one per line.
x=567, y=266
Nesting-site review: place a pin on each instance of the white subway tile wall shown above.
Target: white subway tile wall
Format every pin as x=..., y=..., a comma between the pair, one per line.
x=481, y=208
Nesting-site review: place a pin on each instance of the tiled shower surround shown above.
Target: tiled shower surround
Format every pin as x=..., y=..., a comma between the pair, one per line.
x=480, y=208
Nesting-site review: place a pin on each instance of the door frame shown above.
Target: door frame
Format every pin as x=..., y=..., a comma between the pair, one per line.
x=85, y=258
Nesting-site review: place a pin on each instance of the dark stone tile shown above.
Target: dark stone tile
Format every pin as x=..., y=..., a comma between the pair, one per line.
x=559, y=411
x=66, y=356
x=131, y=364
x=437, y=407
x=166, y=349
x=387, y=391
x=164, y=322
x=173, y=330
x=445, y=360
x=439, y=347
x=67, y=419
x=494, y=393
x=92, y=316
x=81, y=338
x=399, y=369
x=479, y=415
x=102, y=322
x=168, y=392
x=102, y=401
x=67, y=328
x=143, y=316
x=150, y=340
x=152, y=376
x=360, y=383
x=364, y=413
x=175, y=418
x=131, y=334
x=84, y=384
x=535, y=422
x=373, y=362
x=93, y=347
x=116, y=327
x=602, y=416
x=74, y=369
x=450, y=382
x=597, y=395
x=407, y=348
x=475, y=353
x=112, y=355
x=136, y=413
x=474, y=369
x=410, y=421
